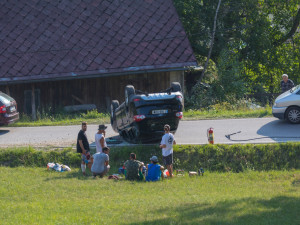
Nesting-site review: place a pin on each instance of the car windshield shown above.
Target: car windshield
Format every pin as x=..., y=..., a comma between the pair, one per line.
x=5, y=99
x=295, y=88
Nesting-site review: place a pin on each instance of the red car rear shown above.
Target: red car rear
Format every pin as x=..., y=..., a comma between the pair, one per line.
x=8, y=110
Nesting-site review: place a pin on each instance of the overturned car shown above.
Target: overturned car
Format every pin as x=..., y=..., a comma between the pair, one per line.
x=141, y=118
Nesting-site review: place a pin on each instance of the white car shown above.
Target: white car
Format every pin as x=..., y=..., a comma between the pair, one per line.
x=287, y=105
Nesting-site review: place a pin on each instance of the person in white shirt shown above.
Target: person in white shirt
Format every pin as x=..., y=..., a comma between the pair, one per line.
x=100, y=138
x=166, y=145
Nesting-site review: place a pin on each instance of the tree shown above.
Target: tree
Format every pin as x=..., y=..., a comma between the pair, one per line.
x=262, y=35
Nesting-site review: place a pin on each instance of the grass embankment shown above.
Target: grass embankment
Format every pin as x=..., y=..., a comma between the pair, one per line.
x=32, y=195
x=37, y=196
x=93, y=117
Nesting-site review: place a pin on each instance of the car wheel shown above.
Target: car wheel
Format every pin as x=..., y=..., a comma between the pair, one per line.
x=113, y=106
x=129, y=91
x=175, y=86
x=293, y=115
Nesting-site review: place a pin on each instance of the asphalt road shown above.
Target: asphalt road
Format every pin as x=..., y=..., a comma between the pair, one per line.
x=258, y=130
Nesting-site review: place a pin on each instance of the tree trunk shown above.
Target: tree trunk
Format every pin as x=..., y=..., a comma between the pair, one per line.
x=211, y=43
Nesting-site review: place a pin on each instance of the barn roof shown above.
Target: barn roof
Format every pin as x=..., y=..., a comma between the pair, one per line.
x=55, y=39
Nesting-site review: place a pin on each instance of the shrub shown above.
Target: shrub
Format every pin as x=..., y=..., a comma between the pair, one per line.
x=235, y=158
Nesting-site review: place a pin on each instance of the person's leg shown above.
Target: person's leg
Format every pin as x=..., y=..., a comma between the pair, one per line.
x=170, y=164
x=106, y=169
x=83, y=166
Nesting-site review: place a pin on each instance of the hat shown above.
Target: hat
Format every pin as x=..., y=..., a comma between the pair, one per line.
x=102, y=127
x=154, y=158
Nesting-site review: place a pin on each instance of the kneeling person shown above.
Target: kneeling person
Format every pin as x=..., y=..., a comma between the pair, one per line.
x=100, y=162
x=154, y=170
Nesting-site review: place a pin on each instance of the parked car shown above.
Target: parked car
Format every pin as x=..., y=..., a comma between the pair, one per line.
x=141, y=118
x=8, y=109
x=287, y=105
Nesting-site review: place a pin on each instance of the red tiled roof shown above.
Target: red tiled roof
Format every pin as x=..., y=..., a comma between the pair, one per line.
x=61, y=39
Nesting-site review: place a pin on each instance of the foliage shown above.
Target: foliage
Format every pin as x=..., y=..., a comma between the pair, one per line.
x=260, y=35
x=234, y=158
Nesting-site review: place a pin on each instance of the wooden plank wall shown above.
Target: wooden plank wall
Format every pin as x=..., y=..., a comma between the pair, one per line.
x=99, y=91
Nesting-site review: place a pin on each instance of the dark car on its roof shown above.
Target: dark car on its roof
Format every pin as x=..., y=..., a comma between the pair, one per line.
x=141, y=118
x=8, y=109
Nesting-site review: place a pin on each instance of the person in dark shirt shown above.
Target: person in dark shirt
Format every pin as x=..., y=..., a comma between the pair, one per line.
x=133, y=168
x=83, y=147
x=286, y=84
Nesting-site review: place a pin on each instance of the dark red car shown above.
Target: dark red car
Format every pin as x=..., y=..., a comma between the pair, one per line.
x=8, y=109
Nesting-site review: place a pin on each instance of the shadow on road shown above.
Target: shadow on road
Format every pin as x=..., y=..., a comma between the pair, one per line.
x=2, y=132
x=280, y=130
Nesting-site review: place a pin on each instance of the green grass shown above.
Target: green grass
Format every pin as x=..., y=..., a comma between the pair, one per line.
x=38, y=196
x=227, y=114
x=93, y=117
x=62, y=119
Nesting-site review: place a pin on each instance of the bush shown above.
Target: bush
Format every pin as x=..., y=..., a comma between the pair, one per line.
x=235, y=158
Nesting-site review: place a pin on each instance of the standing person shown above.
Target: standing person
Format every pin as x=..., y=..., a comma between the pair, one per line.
x=154, y=170
x=100, y=138
x=100, y=162
x=166, y=145
x=83, y=147
x=286, y=84
x=133, y=168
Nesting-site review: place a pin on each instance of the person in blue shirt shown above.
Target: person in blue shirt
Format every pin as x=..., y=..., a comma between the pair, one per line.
x=154, y=170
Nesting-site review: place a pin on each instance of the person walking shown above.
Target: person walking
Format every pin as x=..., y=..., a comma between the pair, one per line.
x=100, y=138
x=286, y=84
x=133, y=168
x=154, y=170
x=83, y=147
x=100, y=163
x=166, y=145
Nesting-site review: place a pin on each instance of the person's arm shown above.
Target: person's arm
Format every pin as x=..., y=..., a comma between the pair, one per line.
x=162, y=172
x=102, y=142
x=163, y=146
x=106, y=163
x=81, y=146
x=174, y=142
x=163, y=143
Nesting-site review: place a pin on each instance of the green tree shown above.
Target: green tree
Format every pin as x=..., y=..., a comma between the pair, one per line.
x=261, y=35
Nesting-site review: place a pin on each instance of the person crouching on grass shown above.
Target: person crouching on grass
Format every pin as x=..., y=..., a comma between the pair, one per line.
x=154, y=170
x=166, y=145
x=100, y=163
x=83, y=147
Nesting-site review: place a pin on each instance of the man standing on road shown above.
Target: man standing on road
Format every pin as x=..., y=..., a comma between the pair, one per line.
x=100, y=163
x=100, y=138
x=166, y=145
x=286, y=84
x=83, y=147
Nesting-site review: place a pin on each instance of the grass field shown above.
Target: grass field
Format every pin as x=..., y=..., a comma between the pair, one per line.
x=38, y=196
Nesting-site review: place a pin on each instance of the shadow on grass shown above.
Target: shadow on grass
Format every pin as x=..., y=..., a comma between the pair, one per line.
x=278, y=210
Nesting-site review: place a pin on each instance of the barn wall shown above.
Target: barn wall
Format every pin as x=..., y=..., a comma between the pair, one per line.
x=98, y=91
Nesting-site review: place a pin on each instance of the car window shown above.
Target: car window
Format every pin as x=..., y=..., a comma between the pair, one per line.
x=5, y=99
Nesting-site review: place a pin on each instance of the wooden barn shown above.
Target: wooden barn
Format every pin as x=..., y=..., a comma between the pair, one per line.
x=63, y=53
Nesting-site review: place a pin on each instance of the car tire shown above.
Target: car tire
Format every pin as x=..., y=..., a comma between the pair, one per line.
x=129, y=91
x=113, y=106
x=175, y=86
x=293, y=115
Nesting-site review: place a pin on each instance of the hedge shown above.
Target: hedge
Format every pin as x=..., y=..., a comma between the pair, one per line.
x=235, y=158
